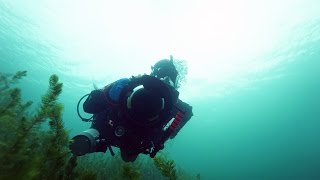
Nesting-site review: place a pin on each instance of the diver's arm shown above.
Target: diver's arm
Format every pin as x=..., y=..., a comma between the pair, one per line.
x=99, y=103
x=100, y=99
x=89, y=141
x=96, y=102
x=186, y=110
x=183, y=114
x=93, y=139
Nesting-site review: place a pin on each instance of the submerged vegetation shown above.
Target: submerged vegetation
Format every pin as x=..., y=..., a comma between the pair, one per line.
x=34, y=144
x=27, y=151
x=166, y=167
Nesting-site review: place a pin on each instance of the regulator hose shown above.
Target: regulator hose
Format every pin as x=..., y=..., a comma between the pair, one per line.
x=82, y=118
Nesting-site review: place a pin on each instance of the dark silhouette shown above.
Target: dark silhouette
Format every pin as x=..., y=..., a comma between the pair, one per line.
x=137, y=114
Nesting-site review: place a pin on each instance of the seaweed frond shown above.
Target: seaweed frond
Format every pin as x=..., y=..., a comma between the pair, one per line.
x=56, y=151
x=18, y=75
x=166, y=167
x=27, y=151
x=129, y=171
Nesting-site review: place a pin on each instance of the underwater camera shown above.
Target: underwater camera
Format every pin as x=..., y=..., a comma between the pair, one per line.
x=85, y=142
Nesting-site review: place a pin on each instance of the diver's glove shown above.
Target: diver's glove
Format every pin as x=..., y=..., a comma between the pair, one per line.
x=156, y=149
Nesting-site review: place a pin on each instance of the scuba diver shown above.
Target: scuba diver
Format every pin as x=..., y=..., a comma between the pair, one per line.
x=136, y=115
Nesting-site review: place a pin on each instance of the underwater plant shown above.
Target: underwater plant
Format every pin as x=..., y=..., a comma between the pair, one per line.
x=129, y=171
x=27, y=151
x=113, y=168
x=106, y=167
x=56, y=151
x=166, y=167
